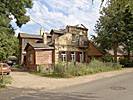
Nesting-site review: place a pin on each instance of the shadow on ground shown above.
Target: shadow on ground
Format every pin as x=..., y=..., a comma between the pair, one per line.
x=41, y=94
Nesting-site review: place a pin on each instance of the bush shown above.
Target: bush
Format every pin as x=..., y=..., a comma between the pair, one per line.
x=107, y=59
x=95, y=66
x=40, y=68
x=126, y=63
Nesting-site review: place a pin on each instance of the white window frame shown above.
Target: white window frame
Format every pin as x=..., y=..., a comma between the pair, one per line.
x=73, y=37
x=81, y=56
x=73, y=56
x=64, y=57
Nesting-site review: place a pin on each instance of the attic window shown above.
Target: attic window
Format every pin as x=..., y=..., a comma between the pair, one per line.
x=73, y=38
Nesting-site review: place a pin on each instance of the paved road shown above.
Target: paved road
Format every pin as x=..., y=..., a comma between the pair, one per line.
x=114, y=88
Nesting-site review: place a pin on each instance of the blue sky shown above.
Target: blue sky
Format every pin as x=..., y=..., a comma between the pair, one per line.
x=56, y=14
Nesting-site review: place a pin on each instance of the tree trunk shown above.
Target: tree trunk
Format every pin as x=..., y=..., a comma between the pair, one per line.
x=115, y=51
x=128, y=56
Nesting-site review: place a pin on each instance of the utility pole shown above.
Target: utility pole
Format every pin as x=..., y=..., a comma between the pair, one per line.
x=2, y=73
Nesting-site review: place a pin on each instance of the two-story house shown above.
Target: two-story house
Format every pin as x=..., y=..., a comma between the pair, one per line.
x=69, y=44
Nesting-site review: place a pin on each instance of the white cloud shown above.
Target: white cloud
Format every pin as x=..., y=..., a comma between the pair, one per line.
x=64, y=12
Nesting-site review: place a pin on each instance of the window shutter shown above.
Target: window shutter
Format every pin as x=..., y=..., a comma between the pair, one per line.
x=68, y=56
x=77, y=57
x=84, y=57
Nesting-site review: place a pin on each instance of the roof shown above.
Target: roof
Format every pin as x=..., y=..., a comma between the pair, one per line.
x=38, y=46
x=25, y=35
x=79, y=26
x=119, y=51
x=59, y=31
x=48, y=34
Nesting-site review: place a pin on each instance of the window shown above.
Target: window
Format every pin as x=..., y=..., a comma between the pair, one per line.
x=73, y=38
x=81, y=56
x=31, y=59
x=81, y=38
x=26, y=41
x=73, y=56
x=63, y=54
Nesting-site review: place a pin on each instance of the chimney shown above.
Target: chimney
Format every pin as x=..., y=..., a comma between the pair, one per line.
x=45, y=38
x=41, y=31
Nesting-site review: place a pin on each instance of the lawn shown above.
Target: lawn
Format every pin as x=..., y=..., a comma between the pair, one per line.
x=6, y=80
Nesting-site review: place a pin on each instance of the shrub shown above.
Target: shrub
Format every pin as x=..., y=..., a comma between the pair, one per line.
x=107, y=59
x=40, y=68
x=126, y=63
x=95, y=66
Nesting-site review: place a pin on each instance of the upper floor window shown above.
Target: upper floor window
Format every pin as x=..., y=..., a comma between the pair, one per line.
x=73, y=38
x=81, y=38
x=26, y=41
x=73, y=56
x=63, y=54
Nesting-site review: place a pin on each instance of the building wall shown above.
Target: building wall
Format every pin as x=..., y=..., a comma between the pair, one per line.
x=22, y=45
x=44, y=57
x=28, y=53
x=64, y=43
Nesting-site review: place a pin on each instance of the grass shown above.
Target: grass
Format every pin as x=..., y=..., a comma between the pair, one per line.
x=7, y=80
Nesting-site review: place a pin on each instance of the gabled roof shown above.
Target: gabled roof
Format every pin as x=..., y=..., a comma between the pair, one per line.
x=58, y=31
x=119, y=52
x=78, y=26
x=25, y=35
x=38, y=46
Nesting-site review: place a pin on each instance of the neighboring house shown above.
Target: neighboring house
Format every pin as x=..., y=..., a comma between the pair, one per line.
x=120, y=53
x=38, y=53
x=28, y=38
x=93, y=52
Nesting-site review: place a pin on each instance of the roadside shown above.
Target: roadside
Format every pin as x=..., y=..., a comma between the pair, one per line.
x=27, y=80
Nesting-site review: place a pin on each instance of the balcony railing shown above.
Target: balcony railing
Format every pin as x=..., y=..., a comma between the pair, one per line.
x=83, y=44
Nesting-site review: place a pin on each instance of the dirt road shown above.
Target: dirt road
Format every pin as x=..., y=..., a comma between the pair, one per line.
x=27, y=80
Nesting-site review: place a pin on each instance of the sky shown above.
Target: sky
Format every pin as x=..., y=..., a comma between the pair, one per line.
x=56, y=14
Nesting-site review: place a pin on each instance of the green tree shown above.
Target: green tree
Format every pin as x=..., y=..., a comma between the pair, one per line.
x=110, y=27
x=17, y=9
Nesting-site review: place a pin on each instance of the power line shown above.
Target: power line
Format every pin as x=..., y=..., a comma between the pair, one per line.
x=39, y=24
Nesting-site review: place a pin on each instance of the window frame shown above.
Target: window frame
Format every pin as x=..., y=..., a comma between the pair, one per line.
x=81, y=57
x=73, y=56
x=73, y=37
x=63, y=56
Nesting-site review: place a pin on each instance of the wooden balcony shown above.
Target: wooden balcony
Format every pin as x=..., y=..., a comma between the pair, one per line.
x=83, y=44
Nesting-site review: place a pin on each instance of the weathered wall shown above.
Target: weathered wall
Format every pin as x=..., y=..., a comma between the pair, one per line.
x=64, y=42
x=44, y=57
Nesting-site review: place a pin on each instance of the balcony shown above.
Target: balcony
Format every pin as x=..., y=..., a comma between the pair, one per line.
x=83, y=44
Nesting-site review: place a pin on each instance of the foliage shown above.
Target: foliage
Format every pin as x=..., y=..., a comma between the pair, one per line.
x=41, y=68
x=107, y=59
x=8, y=46
x=7, y=80
x=11, y=10
x=126, y=63
x=114, y=26
x=80, y=69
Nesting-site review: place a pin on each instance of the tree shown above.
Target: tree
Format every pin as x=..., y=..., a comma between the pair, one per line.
x=17, y=9
x=110, y=27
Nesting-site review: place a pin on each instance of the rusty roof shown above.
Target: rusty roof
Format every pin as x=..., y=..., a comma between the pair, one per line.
x=25, y=35
x=59, y=31
x=39, y=46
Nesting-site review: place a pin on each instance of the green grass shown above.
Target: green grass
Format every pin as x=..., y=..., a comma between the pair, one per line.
x=80, y=69
x=6, y=80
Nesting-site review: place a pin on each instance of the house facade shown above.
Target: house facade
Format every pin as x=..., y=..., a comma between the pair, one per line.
x=69, y=44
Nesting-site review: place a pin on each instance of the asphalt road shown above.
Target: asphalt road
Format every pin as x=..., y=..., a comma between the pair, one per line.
x=114, y=88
